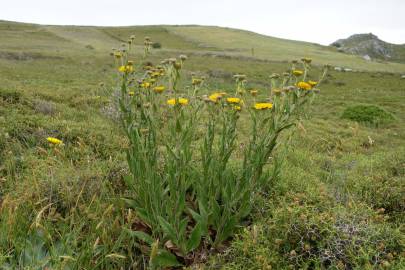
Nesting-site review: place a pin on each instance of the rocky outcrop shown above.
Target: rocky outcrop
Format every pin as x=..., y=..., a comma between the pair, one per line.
x=368, y=46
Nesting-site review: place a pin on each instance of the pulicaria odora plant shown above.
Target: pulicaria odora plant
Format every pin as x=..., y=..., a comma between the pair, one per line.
x=190, y=190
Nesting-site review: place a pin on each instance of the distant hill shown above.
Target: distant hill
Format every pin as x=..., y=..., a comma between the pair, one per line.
x=369, y=46
x=21, y=40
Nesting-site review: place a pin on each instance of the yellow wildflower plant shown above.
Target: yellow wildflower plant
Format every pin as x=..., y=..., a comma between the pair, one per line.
x=304, y=86
x=181, y=101
x=54, y=141
x=312, y=83
x=159, y=89
x=263, y=106
x=234, y=100
x=297, y=72
x=131, y=93
x=237, y=108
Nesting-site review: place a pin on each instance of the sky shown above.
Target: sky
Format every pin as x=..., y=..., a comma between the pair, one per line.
x=319, y=21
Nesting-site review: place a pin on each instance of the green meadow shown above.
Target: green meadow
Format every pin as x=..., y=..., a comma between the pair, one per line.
x=336, y=200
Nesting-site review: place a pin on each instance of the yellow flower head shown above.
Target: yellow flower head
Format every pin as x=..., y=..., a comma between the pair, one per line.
x=126, y=69
x=297, y=72
x=54, y=141
x=145, y=85
x=181, y=101
x=313, y=83
x=131, y=93
x=159, y=89
x=254, y=92
x=234, y=100
x=215, y=97
x=155, y=74
x=196, y=81
x=276, y=91
x=237, y=108
x=304, y=86
x=263, y=106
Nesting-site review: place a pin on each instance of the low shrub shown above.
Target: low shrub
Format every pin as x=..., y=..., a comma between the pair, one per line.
x=317, y=237
x=367, y=114
x=156, y=45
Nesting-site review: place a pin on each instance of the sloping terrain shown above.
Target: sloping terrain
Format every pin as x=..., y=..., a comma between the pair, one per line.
x=337, y=201
x=201, y=40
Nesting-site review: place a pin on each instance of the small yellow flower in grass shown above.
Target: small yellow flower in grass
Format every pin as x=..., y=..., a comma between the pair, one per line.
x=237, y=108
x=297, y=72
x=254, y=92
x=304, y=86
x=126, y=69
x=234, y=100
x=54, y=141
x=312, y=83
x=159, y=89
x=263, y=106
x=131, y=93
x=182, y=101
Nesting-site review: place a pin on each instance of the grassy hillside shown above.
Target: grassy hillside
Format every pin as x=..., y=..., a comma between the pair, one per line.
x=337, y=202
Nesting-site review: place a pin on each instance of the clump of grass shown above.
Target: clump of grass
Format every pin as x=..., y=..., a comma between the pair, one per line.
x=10, y=96
x=306, y=236
x=367, y=114
x=44, y=107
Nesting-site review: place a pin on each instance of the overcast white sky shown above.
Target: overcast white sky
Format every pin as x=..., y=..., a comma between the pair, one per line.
x=321, y=21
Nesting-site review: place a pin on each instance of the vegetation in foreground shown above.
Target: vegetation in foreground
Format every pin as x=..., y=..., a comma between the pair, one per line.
x=337, y=202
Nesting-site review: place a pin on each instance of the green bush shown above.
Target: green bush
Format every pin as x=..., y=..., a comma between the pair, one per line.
x=156, y=45
x=367, y=114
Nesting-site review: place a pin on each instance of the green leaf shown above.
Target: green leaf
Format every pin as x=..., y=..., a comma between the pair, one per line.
x=129, y=180
x=227, y=230
x=195, y=238
x=165, y=259
x=140, y=235
x=195, y=215
x=167, y=229
x=183, y=226
x=178, y=125
x=131, y=203
x=216, y=213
